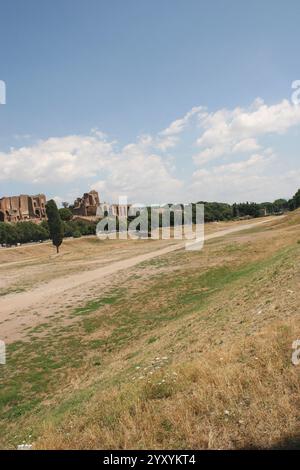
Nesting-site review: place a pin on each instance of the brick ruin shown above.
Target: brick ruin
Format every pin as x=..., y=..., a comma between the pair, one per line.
x=23, y=207
x=87, y=205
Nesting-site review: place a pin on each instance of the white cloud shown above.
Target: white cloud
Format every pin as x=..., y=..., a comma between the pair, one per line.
x=133, y=170
x=169, y=137
x=177, y=127
x=227, y=132
x=141, y=174
x=229, y=140
x=58, y=159
x=248, y=179
x=246, y=145
x=58, y=200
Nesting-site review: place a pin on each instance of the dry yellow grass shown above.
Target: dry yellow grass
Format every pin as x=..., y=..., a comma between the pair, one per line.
x=194, y=351
x=241, y=396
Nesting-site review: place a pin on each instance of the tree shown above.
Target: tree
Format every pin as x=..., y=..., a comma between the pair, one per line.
x=65, y=204
x=280, y=205
x=55, y=224
x=296, y=199
x=65, y=214
x=76, y=234
x=8, y=234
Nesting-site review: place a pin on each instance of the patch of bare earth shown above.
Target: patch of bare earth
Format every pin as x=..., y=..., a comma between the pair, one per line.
x=184, y=350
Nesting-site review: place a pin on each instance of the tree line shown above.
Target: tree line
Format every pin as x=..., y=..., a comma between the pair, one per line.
x=60, y=223
x=58, y=226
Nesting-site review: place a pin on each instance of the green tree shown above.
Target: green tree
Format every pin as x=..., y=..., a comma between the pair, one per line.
x=55, y=224
x=280, y=205
x=296, y=199
x=8, y=234
x=76, y=234
x=65, y=213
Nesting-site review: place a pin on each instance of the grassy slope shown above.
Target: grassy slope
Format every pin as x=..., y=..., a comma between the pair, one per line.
x=197, y=354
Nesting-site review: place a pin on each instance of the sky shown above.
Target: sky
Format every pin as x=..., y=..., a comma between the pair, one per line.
x=160, y=101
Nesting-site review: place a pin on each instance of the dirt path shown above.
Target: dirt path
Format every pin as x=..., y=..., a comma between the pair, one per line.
x=12, y=315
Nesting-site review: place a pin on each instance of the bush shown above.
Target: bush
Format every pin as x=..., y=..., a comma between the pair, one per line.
x=22, y=232
x=76, y=234
x=65, y=214
x=82, y=228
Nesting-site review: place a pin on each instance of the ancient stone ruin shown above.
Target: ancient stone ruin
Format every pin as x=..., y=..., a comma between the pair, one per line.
x=23, y=207
x=87, y=205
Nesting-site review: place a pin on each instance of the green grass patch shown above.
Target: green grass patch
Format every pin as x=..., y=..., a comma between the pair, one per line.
x=94, y=305
x=36, y=369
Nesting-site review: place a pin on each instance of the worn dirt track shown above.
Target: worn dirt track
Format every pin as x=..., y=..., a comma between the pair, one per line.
x=12, y=305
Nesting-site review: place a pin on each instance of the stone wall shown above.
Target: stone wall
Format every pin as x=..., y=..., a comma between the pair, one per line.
x=87, y=204
x=23, y=207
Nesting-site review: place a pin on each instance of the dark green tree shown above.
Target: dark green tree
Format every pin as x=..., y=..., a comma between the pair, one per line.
x=65, y=213
x=280, y=205
x=296, y=199
x=55, y=224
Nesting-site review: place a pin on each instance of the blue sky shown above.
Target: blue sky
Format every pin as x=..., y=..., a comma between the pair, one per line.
x=93, y=88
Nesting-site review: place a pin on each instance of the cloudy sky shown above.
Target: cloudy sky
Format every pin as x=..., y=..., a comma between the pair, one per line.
x=161, y=100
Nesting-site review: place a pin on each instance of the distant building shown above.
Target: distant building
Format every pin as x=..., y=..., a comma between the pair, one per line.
x=23, y=207
x=87, y=205
x=89, y=208
x=119, y=210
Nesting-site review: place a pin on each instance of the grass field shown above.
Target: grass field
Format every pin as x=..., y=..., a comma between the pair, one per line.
x=187, y=350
